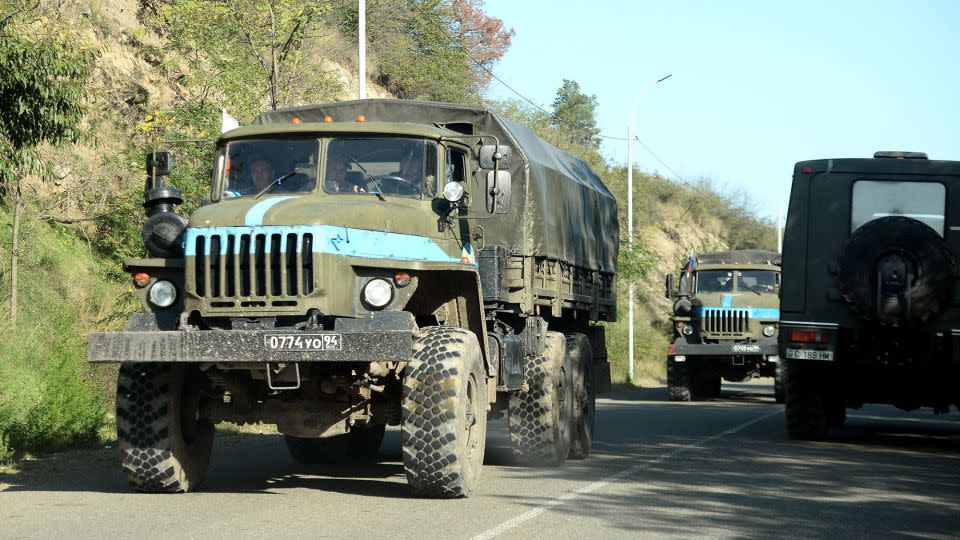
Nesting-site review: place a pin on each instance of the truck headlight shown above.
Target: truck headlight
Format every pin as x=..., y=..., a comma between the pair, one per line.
x=687, y=330
x=453, y=191
x=769, y=330
x=163, y=294
x=377, y=293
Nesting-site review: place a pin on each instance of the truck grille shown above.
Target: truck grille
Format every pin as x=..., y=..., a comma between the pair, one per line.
x=250, y=268
x=726, y=322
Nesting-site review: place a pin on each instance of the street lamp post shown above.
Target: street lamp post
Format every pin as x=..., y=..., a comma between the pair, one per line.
x=630, y=288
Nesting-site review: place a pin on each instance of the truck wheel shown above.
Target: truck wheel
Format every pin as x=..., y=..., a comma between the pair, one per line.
x=778, y=393
x=539, y=417
x=706, y=386
x=360, y=444
x=806, y=408
x=584, y=396
x=444, y=413
x=678, y=382
x=164, y=443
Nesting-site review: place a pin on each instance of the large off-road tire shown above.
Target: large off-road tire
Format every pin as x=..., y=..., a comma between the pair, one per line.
x=584, y=414
x=164, y=444
x=807, y=403
x=539, y=415
x=706, y=386
x=360, y=444
x=444, y=413
x=909, y=240
x=678, y=382
x=778, y=386
x=837, y=415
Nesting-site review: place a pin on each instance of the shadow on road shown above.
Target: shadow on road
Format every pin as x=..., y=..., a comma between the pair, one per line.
x=744, y=392
x=885, y=473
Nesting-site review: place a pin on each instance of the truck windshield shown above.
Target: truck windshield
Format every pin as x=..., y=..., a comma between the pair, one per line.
x=389, y=166
x=761, y=281
x=714, y=281
x=255, y=166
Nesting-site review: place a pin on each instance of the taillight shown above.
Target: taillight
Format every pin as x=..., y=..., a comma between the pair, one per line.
x=809, y=336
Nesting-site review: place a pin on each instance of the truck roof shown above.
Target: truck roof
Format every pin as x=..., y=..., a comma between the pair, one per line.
x=373, y=128
x=739, y=256
x=882, y=165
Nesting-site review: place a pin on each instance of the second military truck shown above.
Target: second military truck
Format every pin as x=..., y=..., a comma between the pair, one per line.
x=725, y=318
x=364, y=264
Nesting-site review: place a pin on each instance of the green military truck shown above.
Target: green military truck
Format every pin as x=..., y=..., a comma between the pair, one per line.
x=871, y=307
x=364, y=264
x=725, y=318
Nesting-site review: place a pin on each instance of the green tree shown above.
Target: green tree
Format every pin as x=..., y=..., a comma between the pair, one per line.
x=43, y=78
x=428, y=49
x=575, y=114
x=248, y=52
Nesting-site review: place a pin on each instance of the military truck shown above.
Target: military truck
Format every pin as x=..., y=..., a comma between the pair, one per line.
x=871, y=307
x=365, y=264
x=725, y=321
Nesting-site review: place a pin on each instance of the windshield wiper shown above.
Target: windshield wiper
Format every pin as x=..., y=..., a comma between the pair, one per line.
x=379, y=191
x=275, y=183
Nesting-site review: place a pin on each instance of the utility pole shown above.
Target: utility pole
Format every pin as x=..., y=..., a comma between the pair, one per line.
x=630, y=291
x=362, y=57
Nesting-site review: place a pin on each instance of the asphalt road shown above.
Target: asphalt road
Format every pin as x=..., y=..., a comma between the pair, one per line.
x=723, y=468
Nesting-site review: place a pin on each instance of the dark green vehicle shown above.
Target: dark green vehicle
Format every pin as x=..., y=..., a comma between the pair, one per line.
x=725, y=322
x=871, y=307
x=364, y=264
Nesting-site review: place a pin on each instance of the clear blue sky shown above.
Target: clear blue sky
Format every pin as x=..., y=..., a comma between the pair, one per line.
x=756, y=86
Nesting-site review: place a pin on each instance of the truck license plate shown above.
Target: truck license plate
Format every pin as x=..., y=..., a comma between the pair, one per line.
x=809, y=354
x=303, y=342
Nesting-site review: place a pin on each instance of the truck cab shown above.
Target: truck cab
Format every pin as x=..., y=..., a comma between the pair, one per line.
x=725, y=319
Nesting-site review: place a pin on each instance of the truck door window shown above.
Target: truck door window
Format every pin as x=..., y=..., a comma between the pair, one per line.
x=923, y=201
x=456, y=166
x=393, y=166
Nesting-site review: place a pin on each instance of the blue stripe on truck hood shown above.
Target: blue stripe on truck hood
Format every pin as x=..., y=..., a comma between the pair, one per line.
x=332, y=239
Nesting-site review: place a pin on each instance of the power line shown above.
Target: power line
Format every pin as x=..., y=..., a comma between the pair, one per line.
x=462, y=49
x=480, y=65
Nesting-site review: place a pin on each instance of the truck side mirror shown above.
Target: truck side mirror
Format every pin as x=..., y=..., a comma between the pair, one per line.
x=494, y=156
x=159, y=164
x=499, y=187
x=670, y=292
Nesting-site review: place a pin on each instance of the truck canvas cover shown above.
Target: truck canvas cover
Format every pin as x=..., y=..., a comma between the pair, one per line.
x=743, y=256
x=560, y=208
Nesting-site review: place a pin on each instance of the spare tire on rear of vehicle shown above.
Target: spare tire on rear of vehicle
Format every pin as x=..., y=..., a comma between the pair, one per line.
x=895, y=270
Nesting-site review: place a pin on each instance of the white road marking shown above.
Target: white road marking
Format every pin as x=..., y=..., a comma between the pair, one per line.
x=600, y=484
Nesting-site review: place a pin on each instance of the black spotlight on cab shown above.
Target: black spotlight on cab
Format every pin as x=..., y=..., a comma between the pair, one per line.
x=163, y=232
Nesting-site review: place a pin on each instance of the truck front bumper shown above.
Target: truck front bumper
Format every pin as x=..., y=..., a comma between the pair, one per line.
x=382, y=338
x=762, y=348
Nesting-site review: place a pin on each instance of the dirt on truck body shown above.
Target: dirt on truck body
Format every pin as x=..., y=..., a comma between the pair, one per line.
x=725, y=320
x=364, y=264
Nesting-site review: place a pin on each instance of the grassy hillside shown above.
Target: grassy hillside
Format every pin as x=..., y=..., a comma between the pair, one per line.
x=49, y=397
